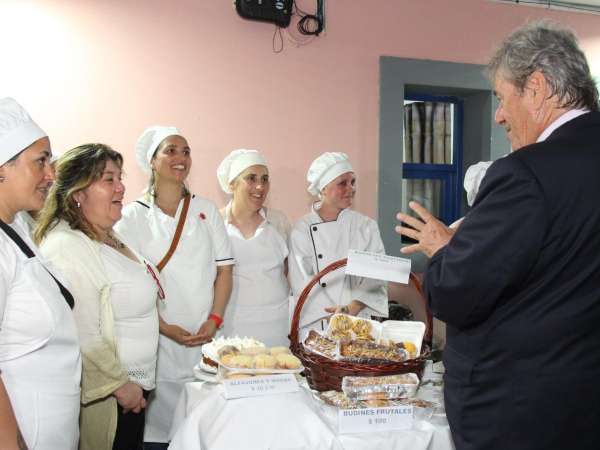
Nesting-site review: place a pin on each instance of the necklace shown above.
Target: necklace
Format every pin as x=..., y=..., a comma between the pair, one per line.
x=113, y=242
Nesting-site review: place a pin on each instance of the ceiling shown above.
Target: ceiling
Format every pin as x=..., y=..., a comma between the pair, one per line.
x=584, y=6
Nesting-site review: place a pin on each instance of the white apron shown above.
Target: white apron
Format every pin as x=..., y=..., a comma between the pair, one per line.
x=258, y=306
x=40, y=359
x=188, y=281
x=314, y=245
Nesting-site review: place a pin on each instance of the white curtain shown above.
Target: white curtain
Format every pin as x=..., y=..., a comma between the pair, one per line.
x=427, y=139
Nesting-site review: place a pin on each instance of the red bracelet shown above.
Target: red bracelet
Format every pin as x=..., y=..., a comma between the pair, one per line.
x=216, y=319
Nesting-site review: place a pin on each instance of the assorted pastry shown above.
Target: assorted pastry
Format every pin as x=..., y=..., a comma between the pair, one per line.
x=359, y=382
x=421, y=408
x=262, y=358
x=370, y=352
x=236, y=357
x=221, y=346
x=385, y=387
x=320, y=344
x=343, y=327
x=360, y=340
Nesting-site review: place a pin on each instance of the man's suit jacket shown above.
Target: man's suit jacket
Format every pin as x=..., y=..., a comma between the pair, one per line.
x=519, y=287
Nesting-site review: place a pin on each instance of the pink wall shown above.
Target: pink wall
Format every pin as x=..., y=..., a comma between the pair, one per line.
x=103, y=70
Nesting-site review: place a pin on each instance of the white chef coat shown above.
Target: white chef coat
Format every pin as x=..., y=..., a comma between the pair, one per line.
x=314, y=244
x=133, y=298
x=259, y=302
x=39, y=349
x=188, y=281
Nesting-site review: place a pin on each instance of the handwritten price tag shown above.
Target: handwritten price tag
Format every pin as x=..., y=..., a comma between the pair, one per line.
x=375, y=419
x=260, y=385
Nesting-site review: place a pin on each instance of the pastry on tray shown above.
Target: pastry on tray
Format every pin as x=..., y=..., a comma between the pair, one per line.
x=380, y=387
x=264, y=361
x=287, y=361
x=343, y=327
x=340, y=322
x=242, y=361
x=221, y=346
x=362, y=327
x=319, y=344
x=371, y=352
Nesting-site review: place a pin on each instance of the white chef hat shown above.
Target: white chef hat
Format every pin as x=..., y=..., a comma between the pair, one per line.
x=473, y=178
x=149, y=141
x=235, y=163
x=17, y=130
x=326, y=168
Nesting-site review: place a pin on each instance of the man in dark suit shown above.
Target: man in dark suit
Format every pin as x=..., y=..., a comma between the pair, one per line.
x=518, y=283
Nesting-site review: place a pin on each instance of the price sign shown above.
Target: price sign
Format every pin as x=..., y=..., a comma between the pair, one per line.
x=378, y=266
x=375, y=419
x=260, y=385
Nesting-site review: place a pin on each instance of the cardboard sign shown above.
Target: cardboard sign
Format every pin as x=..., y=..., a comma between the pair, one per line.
x=368, y=420
x=260, y=385
x=378, y=266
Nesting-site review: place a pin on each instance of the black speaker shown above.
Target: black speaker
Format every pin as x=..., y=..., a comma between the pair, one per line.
x=278, y=12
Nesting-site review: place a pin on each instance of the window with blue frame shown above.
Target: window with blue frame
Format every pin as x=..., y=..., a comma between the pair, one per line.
x=432, y=155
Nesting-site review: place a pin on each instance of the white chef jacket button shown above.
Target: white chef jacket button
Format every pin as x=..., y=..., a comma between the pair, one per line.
x=314, y=228
x=320, y=256
x=323, y=284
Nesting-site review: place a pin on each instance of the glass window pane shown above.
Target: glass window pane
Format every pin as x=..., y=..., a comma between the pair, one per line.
x=427, y=192
x=428, y=132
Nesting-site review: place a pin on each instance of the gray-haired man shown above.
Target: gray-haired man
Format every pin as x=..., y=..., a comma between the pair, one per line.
x=519, y=282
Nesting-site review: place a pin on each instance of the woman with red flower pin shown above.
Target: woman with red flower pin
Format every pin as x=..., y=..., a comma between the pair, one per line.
x=185, y=237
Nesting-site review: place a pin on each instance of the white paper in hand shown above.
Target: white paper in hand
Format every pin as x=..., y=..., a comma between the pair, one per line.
x=378, y=266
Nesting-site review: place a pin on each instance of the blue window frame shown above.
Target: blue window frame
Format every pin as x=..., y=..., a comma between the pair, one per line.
x=448, y=175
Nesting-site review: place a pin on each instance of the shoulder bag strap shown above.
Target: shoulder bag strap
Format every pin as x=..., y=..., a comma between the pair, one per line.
x=186, y=205
x=29, y=253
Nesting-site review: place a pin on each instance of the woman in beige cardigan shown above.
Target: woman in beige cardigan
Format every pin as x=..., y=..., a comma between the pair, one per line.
x=115, y=293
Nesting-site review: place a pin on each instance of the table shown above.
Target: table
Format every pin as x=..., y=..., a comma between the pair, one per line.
x=205, y=420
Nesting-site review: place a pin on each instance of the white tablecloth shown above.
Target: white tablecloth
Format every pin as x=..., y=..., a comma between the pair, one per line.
x=205, y=420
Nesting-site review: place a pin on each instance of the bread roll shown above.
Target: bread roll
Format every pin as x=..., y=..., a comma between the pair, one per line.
x=287, y=361
x=265, y=362
x=241, y=361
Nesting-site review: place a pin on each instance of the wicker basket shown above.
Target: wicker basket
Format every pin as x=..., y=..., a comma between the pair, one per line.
x=324, y=374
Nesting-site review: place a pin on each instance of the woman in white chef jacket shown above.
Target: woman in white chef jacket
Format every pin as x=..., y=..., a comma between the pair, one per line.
x=197, y=279
x=325, y=235
x=259, y=301
x=40, y=363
